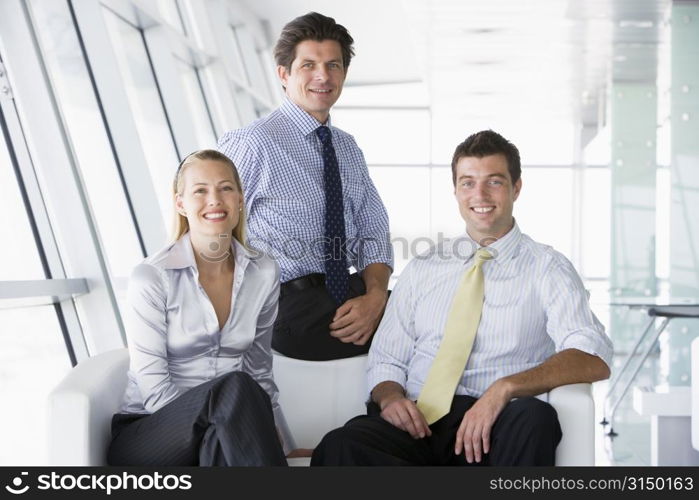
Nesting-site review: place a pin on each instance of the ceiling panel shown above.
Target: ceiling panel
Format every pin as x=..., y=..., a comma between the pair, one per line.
x=542, y=62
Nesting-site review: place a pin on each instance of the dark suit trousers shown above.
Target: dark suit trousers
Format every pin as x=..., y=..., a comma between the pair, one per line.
x=525, y=433
x=302, y=328
x=226, y=421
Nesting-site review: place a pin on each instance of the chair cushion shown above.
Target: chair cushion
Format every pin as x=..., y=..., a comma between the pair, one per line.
x=319, y=396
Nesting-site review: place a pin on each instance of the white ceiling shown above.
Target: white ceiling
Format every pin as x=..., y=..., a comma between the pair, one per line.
x=372, y=24
x=535, y=68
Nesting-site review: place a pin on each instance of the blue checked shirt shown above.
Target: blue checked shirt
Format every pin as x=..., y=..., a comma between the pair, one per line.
x=279, y=158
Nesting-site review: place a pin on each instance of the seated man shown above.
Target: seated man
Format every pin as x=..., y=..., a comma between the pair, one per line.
x=473, y=331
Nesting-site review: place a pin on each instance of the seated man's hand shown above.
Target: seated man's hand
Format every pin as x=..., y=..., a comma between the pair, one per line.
x=474, y=432
x=404, y=414
x=356, y=320
x=300, y=453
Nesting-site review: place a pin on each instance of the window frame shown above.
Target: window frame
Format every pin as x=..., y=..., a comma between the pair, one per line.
x=66, y=228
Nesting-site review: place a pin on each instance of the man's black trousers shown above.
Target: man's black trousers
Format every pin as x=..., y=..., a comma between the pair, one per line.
x=302, y=328
x=525, y=433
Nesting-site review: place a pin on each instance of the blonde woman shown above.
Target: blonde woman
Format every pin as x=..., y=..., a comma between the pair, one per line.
x=200, y=388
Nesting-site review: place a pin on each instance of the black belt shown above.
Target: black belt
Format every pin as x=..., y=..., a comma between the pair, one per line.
x=303, y=283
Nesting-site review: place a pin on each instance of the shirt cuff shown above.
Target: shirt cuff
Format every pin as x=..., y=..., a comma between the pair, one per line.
x=373, y=251
x=384, y=373
x=592, y=343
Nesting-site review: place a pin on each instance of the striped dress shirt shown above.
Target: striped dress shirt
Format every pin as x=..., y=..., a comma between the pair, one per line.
x=279, y=158
x=535, y=305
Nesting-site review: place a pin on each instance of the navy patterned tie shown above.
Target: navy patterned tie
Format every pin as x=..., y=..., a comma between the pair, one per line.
x=336, y=275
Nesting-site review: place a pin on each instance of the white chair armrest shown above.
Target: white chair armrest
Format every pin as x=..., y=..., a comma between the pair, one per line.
x=576, y=414
x=80, y=409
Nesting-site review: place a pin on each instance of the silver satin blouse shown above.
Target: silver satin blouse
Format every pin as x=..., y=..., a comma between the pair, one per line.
x=174, y=339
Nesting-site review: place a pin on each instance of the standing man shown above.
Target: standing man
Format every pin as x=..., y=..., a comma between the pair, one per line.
x=474, y=329
x=311, y=202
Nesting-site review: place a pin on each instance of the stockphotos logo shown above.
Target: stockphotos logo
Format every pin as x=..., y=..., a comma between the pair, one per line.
x=16, y=487
x=107, y=483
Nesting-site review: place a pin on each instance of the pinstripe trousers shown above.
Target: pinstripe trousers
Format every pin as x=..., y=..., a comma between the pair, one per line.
x=226, y=421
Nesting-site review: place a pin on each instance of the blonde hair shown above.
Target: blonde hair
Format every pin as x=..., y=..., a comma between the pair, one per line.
x=180, y=224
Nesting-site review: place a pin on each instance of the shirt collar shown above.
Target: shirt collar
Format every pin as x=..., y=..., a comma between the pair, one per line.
x=503, y=249
x=181, y=254
x=506, y=247
x=306, y=123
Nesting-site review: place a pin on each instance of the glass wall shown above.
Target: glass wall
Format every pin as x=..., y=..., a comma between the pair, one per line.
x=145, y=99
x=33, y=358
x=33, y=353
x=19, y=257
x=409, y=161
x=106, y=97
x=204, y=129
x=91, y=142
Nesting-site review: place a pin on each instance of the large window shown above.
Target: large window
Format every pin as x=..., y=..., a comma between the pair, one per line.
x=389, y=136
x=32, y=350
x=147, y=108
x=249, y=82
x=408, y=148
x=200, y=114
x=104, y=185
x=19, y=258
x=237, y=59
x=172, y=11
x=32, y=359
x=106, y=96
x=403, y=192
x=596, y=229
x=544, y=209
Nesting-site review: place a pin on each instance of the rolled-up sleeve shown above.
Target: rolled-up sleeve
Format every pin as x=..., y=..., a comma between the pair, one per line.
x=257, y=360
x=394, y=341
x=569, y=320
x=147, y=335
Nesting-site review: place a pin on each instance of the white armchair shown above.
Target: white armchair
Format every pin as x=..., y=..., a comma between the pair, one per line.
x=317, y=396
x=81, y=406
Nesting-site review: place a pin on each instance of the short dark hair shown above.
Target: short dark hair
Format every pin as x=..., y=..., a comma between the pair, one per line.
x=486, y=143
x=312, y=26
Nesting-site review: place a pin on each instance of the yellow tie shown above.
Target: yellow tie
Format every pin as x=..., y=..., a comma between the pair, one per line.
x=460, y=331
